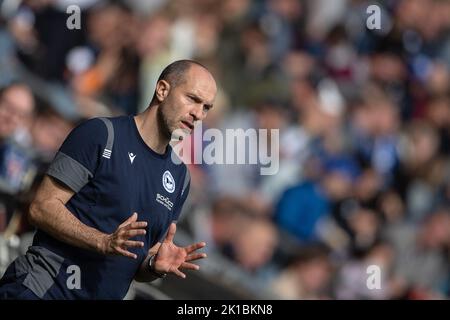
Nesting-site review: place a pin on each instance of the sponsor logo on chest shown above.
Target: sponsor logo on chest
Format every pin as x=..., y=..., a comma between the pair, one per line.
x=165, y=201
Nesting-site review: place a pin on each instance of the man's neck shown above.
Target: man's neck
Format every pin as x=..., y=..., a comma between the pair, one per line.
x=148, y=128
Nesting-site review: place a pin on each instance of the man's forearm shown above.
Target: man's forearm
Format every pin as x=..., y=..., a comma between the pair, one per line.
x=54, y=218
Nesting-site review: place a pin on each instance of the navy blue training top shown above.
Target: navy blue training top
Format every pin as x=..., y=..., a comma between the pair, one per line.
x=113, y=173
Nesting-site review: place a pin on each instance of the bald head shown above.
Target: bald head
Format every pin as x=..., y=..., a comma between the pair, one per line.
x=179, y=72
x=175, y=73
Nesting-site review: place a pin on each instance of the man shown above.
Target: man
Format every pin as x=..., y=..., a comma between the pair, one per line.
x=17, y=165
x=16, y=110
x=111, y=194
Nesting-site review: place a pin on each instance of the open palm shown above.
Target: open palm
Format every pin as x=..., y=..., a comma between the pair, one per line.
x=171, y=258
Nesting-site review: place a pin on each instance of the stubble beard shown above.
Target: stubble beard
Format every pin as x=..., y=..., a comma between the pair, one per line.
x=163, y=124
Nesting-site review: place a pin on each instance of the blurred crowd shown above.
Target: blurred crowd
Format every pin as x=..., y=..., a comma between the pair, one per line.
x=363, y=118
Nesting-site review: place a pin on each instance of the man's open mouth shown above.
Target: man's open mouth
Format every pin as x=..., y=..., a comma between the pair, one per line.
x=188, y=125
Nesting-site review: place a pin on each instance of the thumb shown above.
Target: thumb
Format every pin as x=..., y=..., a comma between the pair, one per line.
x=131, y=219
x=171, y=232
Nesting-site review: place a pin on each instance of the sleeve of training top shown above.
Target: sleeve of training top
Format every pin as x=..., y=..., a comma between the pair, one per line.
x=184, y=194
x=79, y=156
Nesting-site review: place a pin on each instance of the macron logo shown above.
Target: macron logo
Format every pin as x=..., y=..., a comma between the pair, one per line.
x=131, y=156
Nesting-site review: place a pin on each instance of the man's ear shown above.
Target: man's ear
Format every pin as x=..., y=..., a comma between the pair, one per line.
x=162, y=90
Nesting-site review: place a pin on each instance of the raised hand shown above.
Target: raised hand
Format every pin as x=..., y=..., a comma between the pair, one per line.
x=171, y=258
x=118, y=242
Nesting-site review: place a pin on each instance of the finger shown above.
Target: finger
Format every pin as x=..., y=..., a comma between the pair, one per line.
x=133, y=244
x=190, y=266
x=137, y=225
x=179, y=273
x=131, y=219
x=194, y=247
x=195, y=256
x=133, y=233
x=126, y=253
x=171, y=233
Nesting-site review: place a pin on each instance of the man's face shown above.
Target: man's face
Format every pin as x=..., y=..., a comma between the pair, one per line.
x=16, y=110
x=188, y=101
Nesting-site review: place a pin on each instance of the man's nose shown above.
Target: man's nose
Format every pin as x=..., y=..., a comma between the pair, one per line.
x=197, y=112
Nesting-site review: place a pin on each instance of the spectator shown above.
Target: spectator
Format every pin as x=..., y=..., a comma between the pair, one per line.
x=307, y=277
